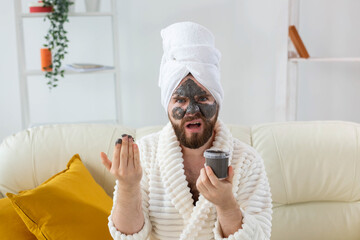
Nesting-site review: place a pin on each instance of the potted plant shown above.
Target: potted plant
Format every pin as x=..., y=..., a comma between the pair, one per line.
x=56, y=39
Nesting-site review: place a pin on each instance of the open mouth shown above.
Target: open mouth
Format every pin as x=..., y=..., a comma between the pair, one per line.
x=193, y=125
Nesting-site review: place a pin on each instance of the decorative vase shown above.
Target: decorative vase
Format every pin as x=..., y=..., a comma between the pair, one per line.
x=46, y=59
x=92, y=5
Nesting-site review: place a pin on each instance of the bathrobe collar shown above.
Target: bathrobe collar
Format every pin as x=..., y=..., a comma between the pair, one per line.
x=173, y=176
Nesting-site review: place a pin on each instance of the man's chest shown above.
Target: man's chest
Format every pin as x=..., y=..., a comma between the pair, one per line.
x=191, y=177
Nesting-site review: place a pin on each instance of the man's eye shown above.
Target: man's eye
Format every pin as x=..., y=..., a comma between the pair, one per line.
x=203, y=99
x=180, y=100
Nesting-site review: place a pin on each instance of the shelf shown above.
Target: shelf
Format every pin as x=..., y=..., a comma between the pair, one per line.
x=39, y=72
x=350, y=59
x=37, y=124
x=78, y=14
x=25, y=72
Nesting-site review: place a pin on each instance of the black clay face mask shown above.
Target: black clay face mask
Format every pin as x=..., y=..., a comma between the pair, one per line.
x=192, y=91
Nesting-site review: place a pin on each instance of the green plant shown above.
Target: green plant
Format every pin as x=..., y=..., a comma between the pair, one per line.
x=56, y=39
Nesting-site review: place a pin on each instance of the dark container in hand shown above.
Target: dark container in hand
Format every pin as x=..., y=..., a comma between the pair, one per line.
x=218, y=161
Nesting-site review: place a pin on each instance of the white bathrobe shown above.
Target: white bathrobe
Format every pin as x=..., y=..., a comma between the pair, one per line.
x=167, y=202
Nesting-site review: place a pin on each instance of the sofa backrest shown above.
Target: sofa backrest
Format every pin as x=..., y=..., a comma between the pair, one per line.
x=30, y=157
x=313, y=168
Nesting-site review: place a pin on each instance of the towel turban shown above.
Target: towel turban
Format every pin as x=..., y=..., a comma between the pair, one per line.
x=189, y=48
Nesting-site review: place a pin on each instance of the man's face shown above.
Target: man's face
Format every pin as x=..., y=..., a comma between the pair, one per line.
x=193, y=112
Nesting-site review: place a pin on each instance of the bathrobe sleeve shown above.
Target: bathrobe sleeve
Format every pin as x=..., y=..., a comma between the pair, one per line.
x=144, y=233
x=254, y=197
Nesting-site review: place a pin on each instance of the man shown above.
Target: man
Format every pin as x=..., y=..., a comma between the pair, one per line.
x=163, y=190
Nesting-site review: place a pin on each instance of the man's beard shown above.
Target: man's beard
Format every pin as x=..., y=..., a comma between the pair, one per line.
x=196, y=140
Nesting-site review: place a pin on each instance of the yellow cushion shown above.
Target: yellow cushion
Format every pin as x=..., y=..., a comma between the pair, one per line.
x=69, y=205
x=11, y=225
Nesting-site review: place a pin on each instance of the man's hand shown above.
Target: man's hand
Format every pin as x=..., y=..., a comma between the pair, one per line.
x=125, y=165
x=219, y=192
x=128, y=217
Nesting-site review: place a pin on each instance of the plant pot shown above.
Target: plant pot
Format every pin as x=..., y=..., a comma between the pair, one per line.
x=92, y=5
x=46, y=59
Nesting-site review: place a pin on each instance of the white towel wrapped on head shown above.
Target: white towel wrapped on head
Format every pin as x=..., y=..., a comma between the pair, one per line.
x=189, y=48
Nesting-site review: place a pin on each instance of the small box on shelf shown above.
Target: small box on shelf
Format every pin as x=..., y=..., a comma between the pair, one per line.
x=86, y=67
x=298, y=43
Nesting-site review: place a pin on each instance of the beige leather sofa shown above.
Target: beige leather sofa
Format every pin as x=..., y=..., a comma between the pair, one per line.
x=313, y=168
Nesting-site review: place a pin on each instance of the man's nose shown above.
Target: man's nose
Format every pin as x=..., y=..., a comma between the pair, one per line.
x=192, y=108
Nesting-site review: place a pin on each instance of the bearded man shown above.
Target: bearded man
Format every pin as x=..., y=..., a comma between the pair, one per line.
x=163, y=190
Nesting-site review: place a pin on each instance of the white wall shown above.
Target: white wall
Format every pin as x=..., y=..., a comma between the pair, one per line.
x=10, y=118
x=328, y=90
x=252, y=36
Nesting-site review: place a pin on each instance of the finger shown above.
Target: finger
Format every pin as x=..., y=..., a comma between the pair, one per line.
x=116, y=156
x=200, y=186
x=230, y=174
x=201, y=189
x=124, y=152
x=208, y=183
x=205, y=180
x=212, y=177
x=118, y=141
x=105, y=160
x=136, y=156
x=131, y=153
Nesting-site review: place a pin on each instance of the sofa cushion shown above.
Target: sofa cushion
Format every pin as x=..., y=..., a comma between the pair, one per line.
x=11, y=225
x=69, y=205
x=32, y=156
x=314, y=174
x=310, y=162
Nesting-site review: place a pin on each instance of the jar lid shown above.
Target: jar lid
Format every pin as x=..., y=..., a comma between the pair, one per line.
x=209, y=153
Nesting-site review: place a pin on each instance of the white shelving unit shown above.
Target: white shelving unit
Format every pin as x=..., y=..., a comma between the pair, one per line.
x=324, y=59
x=81, y=14
x=287, y=89
x=24, y=73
